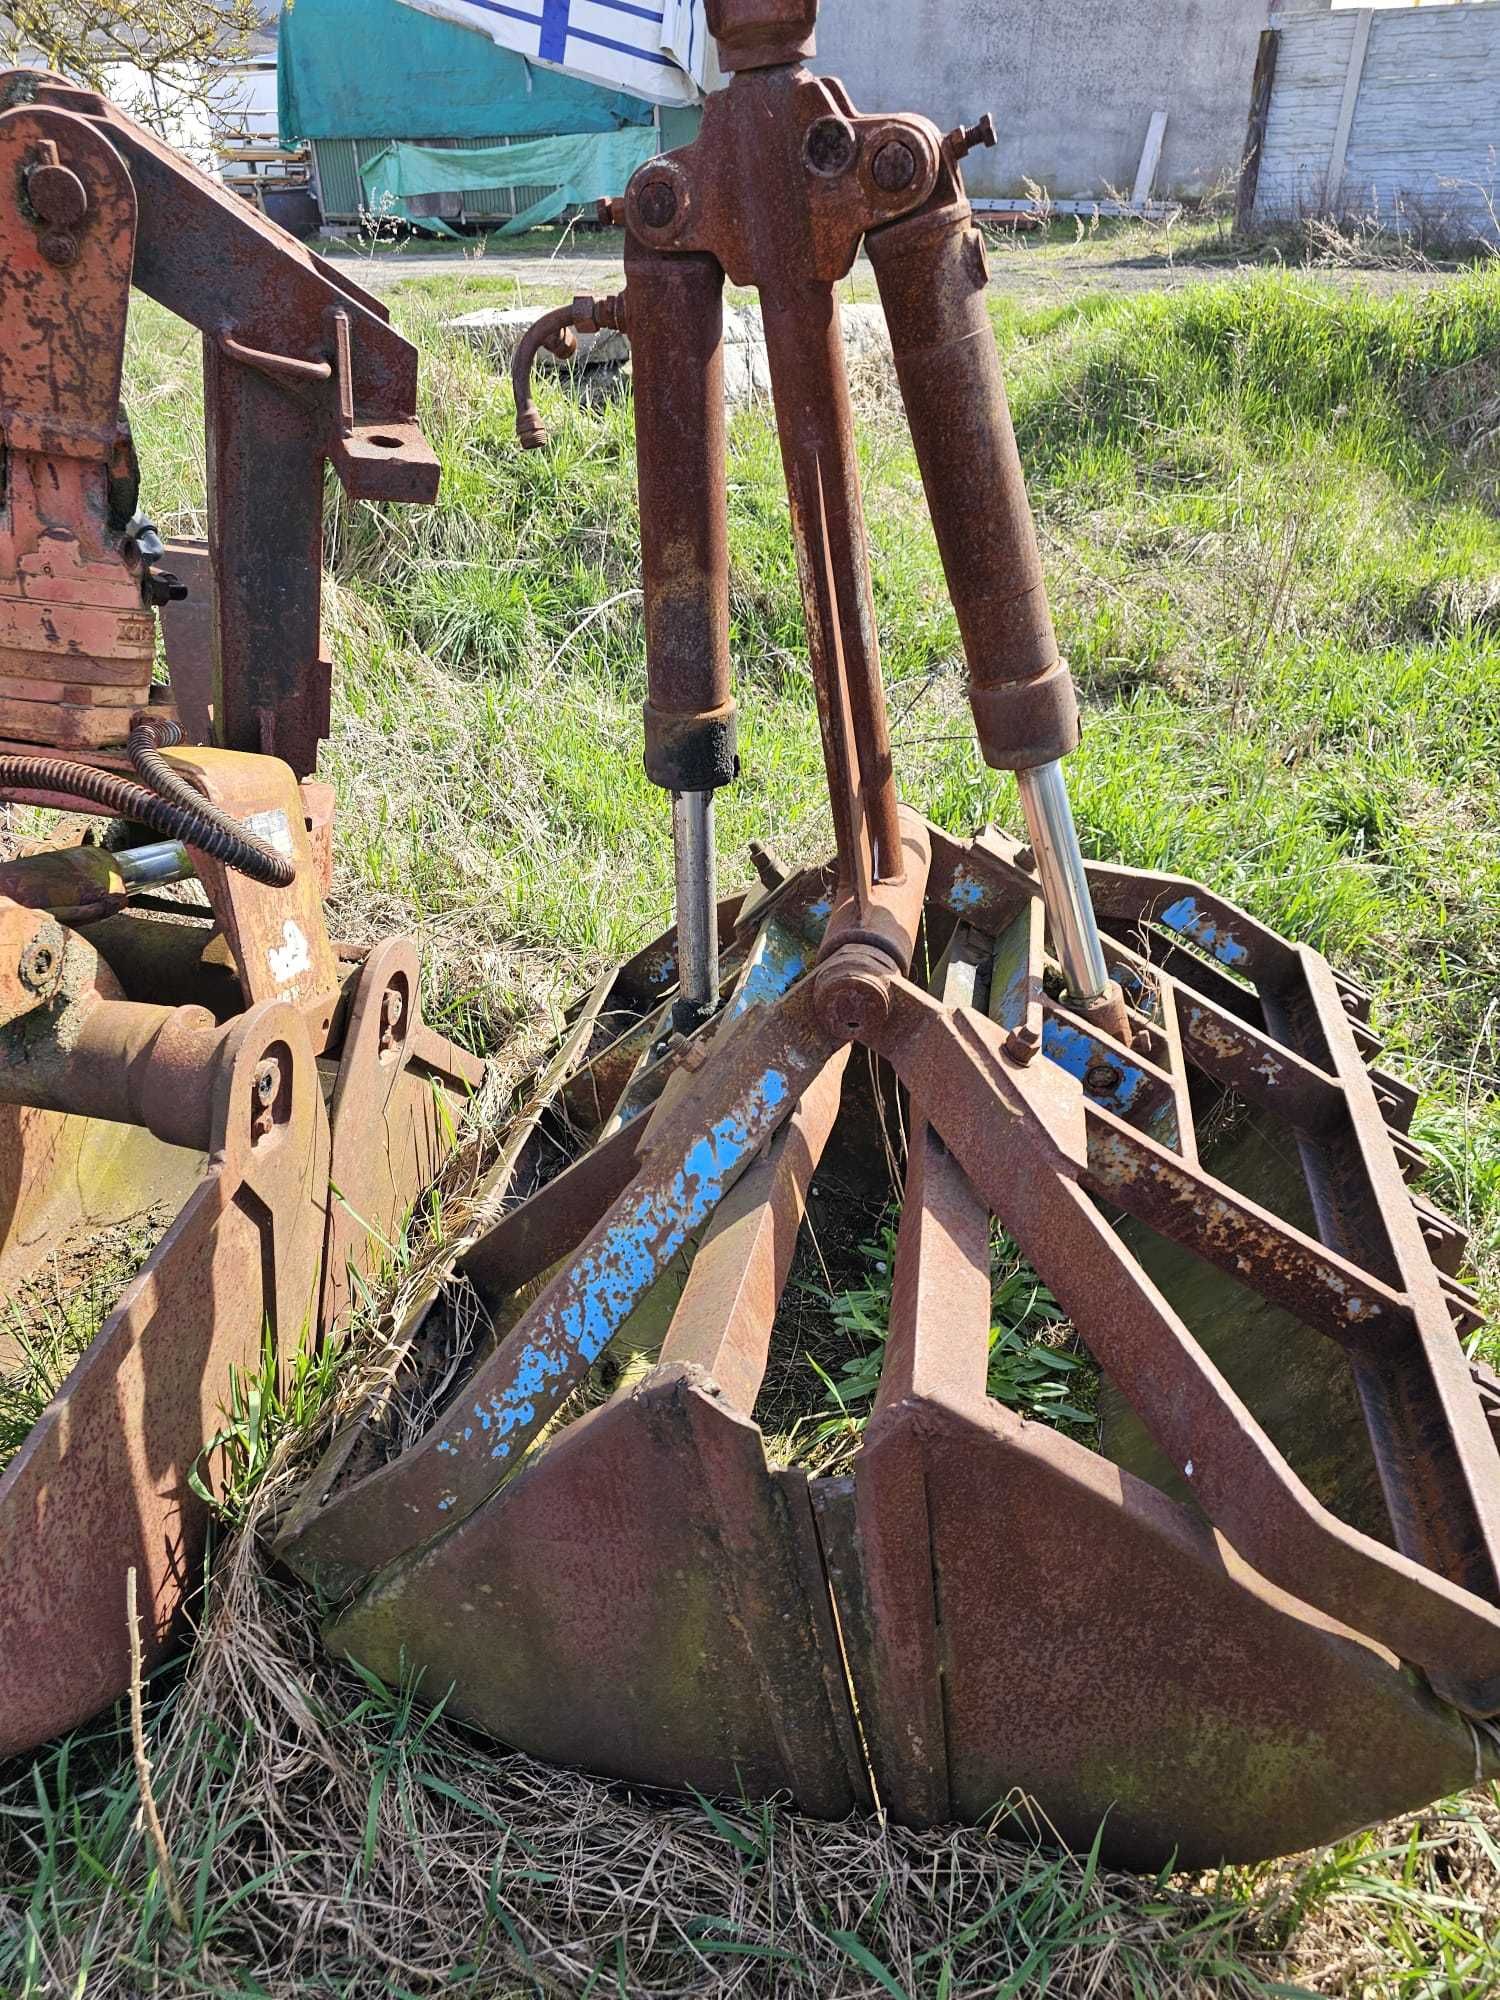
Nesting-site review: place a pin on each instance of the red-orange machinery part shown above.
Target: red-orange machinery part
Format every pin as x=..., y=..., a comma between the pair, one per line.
x=217, y=1066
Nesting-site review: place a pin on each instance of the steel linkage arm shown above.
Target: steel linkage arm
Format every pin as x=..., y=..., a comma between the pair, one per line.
x=300, y=367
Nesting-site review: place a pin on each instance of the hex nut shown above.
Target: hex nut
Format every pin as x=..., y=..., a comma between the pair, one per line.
x=38, y=967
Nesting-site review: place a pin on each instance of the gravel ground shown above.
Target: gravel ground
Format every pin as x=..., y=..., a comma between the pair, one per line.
x=1030, y=276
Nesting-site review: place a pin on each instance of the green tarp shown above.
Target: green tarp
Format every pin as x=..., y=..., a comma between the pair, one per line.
x=370, y=69
x=576, y=169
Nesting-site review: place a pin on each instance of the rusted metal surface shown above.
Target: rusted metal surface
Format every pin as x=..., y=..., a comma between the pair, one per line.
x=76, y=641
x=394, y=1102
x=657, y=1584
x=933, y=273
x=677, y=348
x=224, y=268
x=104, y=1481
x=692, y=1159
x=637, y=1602
x=169, y=1061
x=1212, y=1708
x=1239, y=1657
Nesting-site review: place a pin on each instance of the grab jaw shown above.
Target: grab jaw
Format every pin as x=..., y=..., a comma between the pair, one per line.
x=1267, y=1611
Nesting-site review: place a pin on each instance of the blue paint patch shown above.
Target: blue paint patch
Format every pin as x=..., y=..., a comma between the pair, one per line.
x=607, y=1285
x=1188, y=920
x=777, y=961
x=1077, y=1052
x=966, y=894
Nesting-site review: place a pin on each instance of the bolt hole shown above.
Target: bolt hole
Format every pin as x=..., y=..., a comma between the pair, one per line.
x=831, y=147
x=384, y=443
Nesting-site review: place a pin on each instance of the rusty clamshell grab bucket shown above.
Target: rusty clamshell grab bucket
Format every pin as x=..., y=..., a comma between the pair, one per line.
x=1267, y=1611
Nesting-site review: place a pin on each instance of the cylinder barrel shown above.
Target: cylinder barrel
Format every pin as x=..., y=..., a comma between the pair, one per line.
x=676, y=320
x=933, y=275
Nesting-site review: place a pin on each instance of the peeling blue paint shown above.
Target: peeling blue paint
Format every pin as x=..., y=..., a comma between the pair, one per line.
x=966, y=895
x=1078, y=1052
x=606, y=1286
x=1188, y=920
x=777, y=961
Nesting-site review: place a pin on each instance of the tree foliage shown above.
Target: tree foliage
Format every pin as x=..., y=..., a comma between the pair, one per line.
x=169, y=50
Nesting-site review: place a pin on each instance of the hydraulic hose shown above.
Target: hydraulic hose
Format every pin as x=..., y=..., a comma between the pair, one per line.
x=228, y=841
x=172, y=809
x=558, y=333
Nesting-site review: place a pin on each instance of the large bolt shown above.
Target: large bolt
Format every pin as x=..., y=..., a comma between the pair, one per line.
x=1102, y=1078
x=267, y=1082
x=963, y=142
x=59, y=246
x=769, y=866
x=392, y=1014
x=57, y=195
x=1021, y=1045
x=894, y=167
x=657, y=202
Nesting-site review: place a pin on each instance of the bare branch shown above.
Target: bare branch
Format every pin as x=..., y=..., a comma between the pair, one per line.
x=181, y=49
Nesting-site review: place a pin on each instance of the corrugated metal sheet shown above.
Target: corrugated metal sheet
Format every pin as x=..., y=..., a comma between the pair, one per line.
x=338, y=163
x=1424, y=146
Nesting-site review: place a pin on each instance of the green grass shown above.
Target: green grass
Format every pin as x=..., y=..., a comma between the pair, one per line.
x=48, y=1322
x=1271, y=516
x=1036, y=1365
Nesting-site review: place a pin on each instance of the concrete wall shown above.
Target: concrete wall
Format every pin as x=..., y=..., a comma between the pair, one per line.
x=1072, y=83
x=1387, y=113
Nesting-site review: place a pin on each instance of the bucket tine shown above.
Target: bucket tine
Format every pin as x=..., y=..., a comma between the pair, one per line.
x=1241, y=1481
x=747, y=1091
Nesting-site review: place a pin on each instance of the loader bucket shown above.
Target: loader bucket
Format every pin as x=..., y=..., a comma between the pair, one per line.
x=190, y=1066
x=1223, y=1638
x=277, y=1208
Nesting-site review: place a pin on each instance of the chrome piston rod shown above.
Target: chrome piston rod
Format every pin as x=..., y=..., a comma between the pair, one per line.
x=697, y=907
x=1065, y=888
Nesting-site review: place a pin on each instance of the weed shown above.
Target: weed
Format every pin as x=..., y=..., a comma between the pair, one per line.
x=1035, y=1365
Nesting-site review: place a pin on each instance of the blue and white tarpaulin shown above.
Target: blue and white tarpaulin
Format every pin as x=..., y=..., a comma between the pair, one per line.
x=660, y=50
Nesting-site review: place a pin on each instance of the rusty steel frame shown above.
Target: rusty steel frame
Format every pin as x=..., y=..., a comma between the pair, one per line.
x=225, y=1061
x=1226, y=1671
